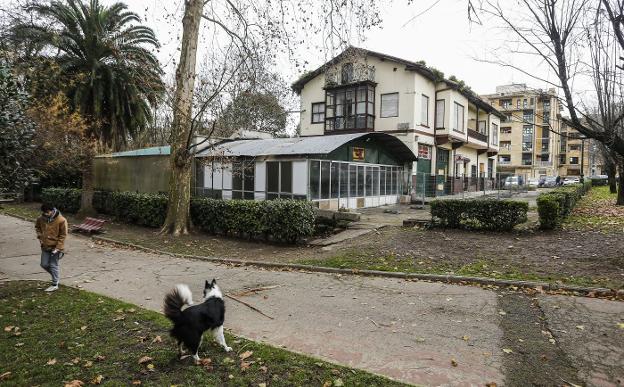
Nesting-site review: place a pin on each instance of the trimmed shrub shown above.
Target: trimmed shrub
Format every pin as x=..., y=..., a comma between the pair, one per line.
x=139, y=208
x=64, y=199
x=479, y=214
x=554, y=206
x=282, y=220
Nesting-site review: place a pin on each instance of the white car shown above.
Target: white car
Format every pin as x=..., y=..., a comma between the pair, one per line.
x=532, y=182
x=571, y=180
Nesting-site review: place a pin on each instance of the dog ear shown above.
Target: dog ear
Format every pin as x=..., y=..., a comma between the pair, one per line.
x=214, y=282
x=206, y=285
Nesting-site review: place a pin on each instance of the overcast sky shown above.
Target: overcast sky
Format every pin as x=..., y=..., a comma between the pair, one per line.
x=441, y=36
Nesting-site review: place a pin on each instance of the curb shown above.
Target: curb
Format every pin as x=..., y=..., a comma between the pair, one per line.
x=452, y=279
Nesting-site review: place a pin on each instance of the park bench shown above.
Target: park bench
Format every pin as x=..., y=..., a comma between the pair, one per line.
x=90, y=225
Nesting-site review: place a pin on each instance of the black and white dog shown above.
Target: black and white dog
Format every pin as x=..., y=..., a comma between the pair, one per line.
x=190, y=324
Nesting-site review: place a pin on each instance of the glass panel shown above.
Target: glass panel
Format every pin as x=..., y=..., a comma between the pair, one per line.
x=272, y=168
x=248, y=195
x=361, y=108
x=395, y=181
x=237, y=195
x=439, y=114
x=370, y=123
x=344, y=180
x=360, y=182
x=314, y=179
x=360, y=122
x=237, y=176
x=271, y=196
x=369, y=181
x=249, y=177
x=388, y=181
x=325, y=165
x=352, y=180
x=390, y=105
x=361, y=94
x=376, y=181
x=286, y=178
x=334, y=180
x=382, y=181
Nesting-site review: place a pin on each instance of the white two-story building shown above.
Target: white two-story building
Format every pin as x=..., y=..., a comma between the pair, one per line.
x=452, y=131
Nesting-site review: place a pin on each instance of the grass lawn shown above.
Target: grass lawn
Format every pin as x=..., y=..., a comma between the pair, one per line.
x=74, y=335
x=597, y=211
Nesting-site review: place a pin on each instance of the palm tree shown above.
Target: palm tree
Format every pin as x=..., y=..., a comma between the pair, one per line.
x=103, y=52
x=112, y=77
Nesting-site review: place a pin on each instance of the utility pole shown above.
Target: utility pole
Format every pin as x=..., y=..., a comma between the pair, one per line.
x=582, y=159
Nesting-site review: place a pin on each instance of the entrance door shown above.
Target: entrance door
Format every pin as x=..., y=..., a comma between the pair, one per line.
x=423, y=171
x=442, y=164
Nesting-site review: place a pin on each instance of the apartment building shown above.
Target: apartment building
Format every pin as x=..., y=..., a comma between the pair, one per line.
x=452, y=131
x=529, y=135
x=534, y=141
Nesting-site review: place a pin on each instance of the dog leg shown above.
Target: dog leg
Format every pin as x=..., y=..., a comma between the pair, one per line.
x=218, y=335
x=196, y=355
x=180, y=350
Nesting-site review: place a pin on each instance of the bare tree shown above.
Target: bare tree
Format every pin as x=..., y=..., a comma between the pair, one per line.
x=558, y=33
x=252, y=31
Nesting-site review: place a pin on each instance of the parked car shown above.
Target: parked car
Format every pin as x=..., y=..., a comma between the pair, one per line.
x=599, y=179
x=548, y=181
x=513, y=182
x=533, y=182
x=571, y=180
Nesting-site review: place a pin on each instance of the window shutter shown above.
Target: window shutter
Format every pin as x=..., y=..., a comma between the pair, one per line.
x=390, y=105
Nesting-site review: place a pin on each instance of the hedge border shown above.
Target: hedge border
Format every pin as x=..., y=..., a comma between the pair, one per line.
x=479, y=214
x=555, y=206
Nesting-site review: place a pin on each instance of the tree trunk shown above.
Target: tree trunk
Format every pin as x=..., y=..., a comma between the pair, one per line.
x=177, y=221
x=86, y=200
x=620, y=196
x=611, y=172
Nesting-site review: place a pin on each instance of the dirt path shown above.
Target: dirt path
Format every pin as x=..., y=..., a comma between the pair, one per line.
x=417, y=332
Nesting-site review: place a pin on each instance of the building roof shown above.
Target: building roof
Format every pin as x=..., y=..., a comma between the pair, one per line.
x=420, y=68
x=301, y=146
x=153, y=151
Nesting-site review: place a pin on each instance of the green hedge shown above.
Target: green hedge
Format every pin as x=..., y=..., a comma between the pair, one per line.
x=65, y=199
x=479, y=214
x=279, y=220
x=554, y=206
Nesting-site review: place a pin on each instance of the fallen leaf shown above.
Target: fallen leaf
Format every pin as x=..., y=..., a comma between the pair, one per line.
x=244, y=365
x=131, y=310
x=82, y=328
x=491, y=384
x=51, y=362
x=75, y=383
x=261, y=384
x=99, y=357
x=97, y=380
x=157, y=339
x=453, y=362
x=75, y=360
x=264, y=369
x=502, y=312
x=581, y=327
x=552, y=341
x=621, y=325
x=136, y=382
x=8, y=328
x=338, y=383
x=150, y=367
x=245, y=355
x=88, y=364
x=145, y=359
x=19, y=344
x=119, y=318
x=327, y=383
x=507, y=350
x=465, y=338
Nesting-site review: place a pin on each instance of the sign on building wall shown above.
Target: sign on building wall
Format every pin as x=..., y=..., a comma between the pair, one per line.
x=358, y=154
x=424, y=152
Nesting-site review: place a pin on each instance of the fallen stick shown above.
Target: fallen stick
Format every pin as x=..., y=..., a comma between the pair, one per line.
x=249, y=306
x=255, y=290
x=373, y=321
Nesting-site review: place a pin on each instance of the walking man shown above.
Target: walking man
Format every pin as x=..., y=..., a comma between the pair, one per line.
x=51, y=229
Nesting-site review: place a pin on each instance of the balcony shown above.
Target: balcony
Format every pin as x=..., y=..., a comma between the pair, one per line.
x=360, y=73
x=527, y=162
x=544, y=163
x=477, y=136
x=504, y=162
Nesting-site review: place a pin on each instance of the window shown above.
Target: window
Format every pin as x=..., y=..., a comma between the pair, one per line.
x=458, y=123
x=344, y=180
x=504, y=159
x=315, y=174
x=527, y=116
x=574, y=160
x=473, y=171
x=518, y=103
x=575, y=147
x=350, y=108
x=439, y=114
x=506, y=145
x=424, y=110
x=527, y=159
x=243, y=180
x=525, y=104
x=389, y=105
x=527, y=138
x=494, y=134
x=505, y=129
x=505, y=103
x=347, y=73
x=279, y=179
x=424, y=151
x=318, y=112
x=532, y=101
x=562, y=159
x=482, y=127
x=508, y=117
x=325, y=170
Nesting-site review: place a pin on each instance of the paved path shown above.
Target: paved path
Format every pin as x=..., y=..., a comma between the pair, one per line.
x=410, y=331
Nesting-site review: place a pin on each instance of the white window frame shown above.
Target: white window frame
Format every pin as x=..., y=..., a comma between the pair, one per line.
x=458, y=124
x=439, y=113
x=424, y=110
x=383, y=103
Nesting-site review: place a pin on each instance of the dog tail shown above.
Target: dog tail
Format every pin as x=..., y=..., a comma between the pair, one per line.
x=179, y=296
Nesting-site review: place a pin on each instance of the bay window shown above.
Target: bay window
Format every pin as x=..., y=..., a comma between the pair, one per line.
x=350, y=108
